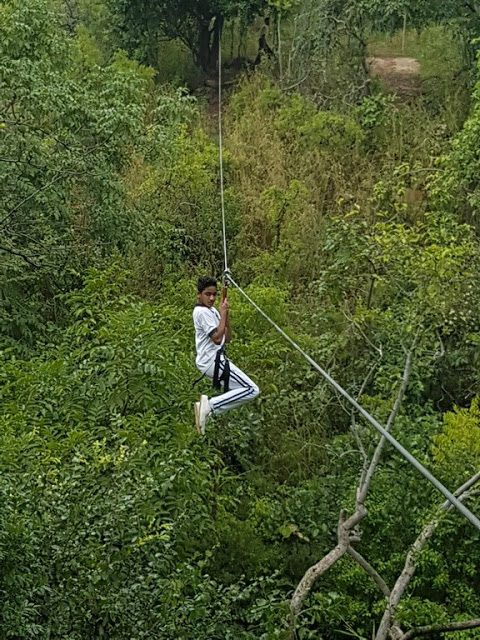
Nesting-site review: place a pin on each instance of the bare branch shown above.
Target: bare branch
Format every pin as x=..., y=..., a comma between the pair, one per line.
x=353, y=426
x=345, y=532
x=376, y=577
x=303, y=588
x=359, y=443
x=345, y=537
x=412, y=557
x=20, y=255
x=363, y=489
x=32, y=195
x=362, y=333
x=298, y=83
x=349, y=30
x=439, y=353
x=441, y=628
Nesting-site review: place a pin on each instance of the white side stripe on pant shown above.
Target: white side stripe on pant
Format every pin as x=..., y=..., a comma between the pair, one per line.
x=242, y=390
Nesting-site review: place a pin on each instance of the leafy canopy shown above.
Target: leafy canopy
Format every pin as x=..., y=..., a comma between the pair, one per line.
x=197, y=23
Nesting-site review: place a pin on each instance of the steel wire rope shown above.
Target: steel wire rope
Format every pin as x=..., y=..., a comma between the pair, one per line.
x=220, y=150
x=228, y=278
x=386, y=434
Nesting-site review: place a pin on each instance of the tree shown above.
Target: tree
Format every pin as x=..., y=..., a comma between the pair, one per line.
x=418, y=263
x=197, y=23
x=68, y=130
x=328, y=38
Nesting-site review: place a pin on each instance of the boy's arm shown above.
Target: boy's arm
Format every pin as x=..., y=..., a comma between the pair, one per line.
x=223, y=329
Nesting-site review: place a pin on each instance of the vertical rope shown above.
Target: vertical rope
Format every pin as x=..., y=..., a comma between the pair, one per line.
x=220, y=148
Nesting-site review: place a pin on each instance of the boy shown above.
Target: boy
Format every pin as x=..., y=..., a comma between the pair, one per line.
x=212, y=332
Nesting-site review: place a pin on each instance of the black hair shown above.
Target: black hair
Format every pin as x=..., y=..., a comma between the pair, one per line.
x=204, y=282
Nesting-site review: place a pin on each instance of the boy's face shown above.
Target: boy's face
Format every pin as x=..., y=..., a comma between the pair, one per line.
x=207, y=296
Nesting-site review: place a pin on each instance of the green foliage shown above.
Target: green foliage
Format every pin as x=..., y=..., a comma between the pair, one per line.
x=460, y=186
x=322, y=56
x=197, y=24
x=373, y=110
x=388, y=16
x=297, y=116
x=115, y=519
x=457, y=448
x=332, y=131
x=102, y=541
x=68, y=160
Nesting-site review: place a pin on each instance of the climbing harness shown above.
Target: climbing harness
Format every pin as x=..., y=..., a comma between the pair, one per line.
x=219, y=375
x=386, y=434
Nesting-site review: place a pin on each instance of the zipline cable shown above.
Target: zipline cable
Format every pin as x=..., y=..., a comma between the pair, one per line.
x=228, y=278
x=406, y=454
x=220, y=149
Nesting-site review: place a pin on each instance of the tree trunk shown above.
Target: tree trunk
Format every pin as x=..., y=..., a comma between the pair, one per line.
x=202, y=53
x=217, y=35
x=206, y=54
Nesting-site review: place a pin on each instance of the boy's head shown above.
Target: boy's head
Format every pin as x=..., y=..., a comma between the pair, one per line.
x=207, y=291
x=267, y=20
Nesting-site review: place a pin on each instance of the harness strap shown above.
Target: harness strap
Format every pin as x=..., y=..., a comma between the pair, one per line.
x=198, y=380
x=218, y=379
x=225, y=375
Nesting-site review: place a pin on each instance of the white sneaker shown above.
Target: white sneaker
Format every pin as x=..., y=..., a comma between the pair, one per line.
x=204, y=413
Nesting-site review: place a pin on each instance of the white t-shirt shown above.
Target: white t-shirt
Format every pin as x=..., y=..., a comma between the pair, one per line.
x=206, y=322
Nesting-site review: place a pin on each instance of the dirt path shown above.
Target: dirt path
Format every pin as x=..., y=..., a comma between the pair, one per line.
x=400, y=75
x=230, y=76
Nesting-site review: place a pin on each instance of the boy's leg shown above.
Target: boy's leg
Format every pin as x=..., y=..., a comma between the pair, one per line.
x=242, y=390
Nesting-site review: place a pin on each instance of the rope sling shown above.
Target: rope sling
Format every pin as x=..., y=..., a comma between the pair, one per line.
x=227, y=278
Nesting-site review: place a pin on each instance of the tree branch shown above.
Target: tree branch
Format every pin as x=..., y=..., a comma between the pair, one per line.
x=315, y=571
x=345, y=538
x=20, y=255
x=349, y=30
x=473, y=7
x=32, y=195
x=367, y=567
x=59, y=175
x=362, y=333
x=365, y=486
x=441, y=628
x=345, y=531
x=353, y=424
x=412, y=557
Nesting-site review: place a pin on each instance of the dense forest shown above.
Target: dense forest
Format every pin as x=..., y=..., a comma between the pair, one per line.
x=352, y=205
